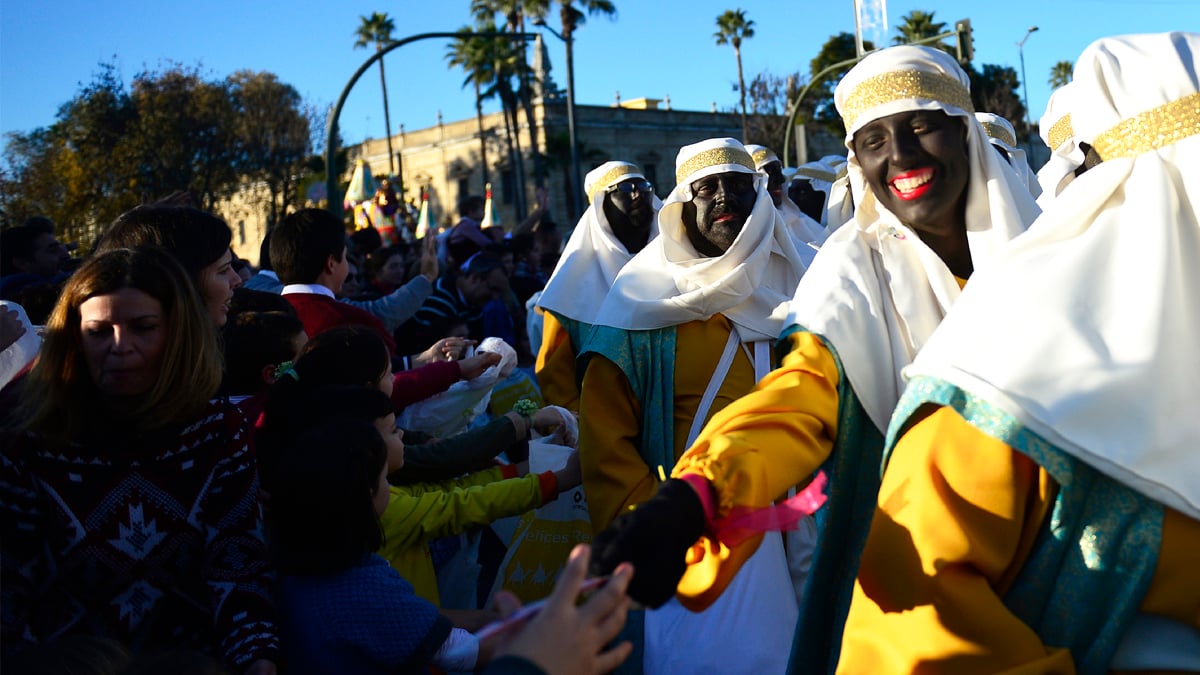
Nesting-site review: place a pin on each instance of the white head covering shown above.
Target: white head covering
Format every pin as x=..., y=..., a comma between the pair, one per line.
x=1065, y=154
x=1103, y=289
x=669, y=282
x=876, y=291
x=803, y=228
x=593, y=255
x=839, y=205
x=1003, y=135
x=20, y=353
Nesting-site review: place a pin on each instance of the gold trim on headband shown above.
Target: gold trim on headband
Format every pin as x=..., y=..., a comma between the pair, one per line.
x=905, y=84
x=1151, y=130
x=1060, y=132
x=764, y=155
x=610, y=177
x=998, y=132
x=827, y=176
x=713, y=157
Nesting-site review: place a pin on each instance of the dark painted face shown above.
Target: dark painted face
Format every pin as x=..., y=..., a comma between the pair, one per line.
x=629, y=212
x=915, y=163
x=720, y=205
x=775, y=181
x=810, y=200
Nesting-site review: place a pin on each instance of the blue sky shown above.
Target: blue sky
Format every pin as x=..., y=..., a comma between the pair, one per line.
x=654, y=48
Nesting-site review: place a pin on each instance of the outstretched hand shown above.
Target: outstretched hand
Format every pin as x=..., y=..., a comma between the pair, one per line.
x=565, y=639
x=655, y=537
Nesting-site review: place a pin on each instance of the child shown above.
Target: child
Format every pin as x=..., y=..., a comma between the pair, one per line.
x=342, y=608
x=256, y=344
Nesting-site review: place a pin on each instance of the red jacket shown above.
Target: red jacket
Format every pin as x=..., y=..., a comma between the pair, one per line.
x=319, y=313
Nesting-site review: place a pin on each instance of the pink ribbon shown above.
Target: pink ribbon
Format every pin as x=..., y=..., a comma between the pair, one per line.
x=744, y=522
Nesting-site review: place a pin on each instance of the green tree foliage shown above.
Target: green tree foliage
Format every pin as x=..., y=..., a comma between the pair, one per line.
x=1061, y=73
x=112, y=148
x=995, y=89
x=919, y=25
x=732, y=28
x=818, y=107
x=377, y=29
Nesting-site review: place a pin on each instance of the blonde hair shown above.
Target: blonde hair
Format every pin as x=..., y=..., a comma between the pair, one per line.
x=60, y=395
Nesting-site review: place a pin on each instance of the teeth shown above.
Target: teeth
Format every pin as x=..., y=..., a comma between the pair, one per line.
x=910, y=183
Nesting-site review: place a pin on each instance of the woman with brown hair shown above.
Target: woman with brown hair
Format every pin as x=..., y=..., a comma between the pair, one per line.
x=129, y=499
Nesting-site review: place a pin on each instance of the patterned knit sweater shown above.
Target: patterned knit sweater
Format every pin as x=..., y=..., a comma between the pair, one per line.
x=152, y=541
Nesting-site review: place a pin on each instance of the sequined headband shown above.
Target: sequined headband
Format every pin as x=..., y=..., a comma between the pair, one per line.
x=611, y=177
x=763, y=156
x=999, y=133
x=1153, y=129
x=713, y=157
x=1060, y=132
x=905, y=84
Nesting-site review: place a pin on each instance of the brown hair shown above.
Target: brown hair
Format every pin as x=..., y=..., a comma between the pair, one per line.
x=59, y=392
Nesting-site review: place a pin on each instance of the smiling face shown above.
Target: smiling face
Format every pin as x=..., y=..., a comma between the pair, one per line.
x=124, y=336
x=720, y=206
x=915, y=163
x=216, y=285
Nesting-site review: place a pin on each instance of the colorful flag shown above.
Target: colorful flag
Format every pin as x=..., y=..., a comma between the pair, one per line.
x=362, y=185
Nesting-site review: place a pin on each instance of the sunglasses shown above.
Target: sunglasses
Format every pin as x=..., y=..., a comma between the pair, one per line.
x=630, y=186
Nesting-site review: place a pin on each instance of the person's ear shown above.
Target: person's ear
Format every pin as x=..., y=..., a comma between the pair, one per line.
x=268, y=374
x=331, y=264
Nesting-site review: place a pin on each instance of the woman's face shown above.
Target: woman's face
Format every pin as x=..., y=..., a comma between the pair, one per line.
x=216, y=285
x=393, y=438
x=123, y=336
x=393, y=271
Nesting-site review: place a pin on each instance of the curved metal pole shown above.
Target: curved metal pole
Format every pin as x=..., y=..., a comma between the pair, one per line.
x=333, y=204
x=795, y=108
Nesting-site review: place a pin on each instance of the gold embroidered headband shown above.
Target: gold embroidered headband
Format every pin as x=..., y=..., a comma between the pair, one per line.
x=999, y=133
x=1153, y=129
x=611, y=177
x=905, y=84
x=713, y=157
x=1060, y=132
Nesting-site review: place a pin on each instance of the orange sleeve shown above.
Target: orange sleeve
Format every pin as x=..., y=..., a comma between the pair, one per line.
x=956, y=514
x=555, y=366
x=757, y=448
x=615, y=477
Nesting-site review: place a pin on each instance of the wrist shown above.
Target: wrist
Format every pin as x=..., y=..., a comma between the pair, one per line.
x=704, y=490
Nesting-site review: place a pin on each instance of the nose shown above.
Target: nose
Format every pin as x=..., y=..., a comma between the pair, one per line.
x=235, y=279
x=122, y=342
x=905, y=146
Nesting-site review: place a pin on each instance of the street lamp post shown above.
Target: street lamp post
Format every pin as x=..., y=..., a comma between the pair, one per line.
x=576, y=178
x=1025, y=84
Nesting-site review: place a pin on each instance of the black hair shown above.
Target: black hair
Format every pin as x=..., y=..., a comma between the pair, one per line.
x=302, y=244
x=264, y=252
x=322, y=519
x=481, y=264
x=380, y=257
x=367, y=240
x=343, y=355
x=195, y=238
x=16, y=242
x=250, y=300
x=254, y=340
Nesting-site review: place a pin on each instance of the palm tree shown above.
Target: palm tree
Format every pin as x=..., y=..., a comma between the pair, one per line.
x=572, y=18
x=1061, y=73
x=732, y=28
x=919, y=25
x=377, y=29
x=475, y=56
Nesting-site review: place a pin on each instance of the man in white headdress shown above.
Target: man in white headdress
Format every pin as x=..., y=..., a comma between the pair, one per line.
x=807, y=229
x=1041, y=506
x=933, y=203
x=687, y=328
x=1065, y=154
x=618, y=223
x=1003, y=137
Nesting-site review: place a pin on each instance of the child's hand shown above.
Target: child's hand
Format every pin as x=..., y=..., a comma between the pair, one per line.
x=571, y=475
x=473, y=367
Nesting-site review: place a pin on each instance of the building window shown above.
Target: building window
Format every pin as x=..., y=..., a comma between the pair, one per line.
x=241, y=232
x=464, y=189
x=507, y=184
x=651, y=171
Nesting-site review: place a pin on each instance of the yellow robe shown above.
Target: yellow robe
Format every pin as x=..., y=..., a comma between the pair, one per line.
x=615, y=477
x=957, y=515
x=555, y=367
x=756, y=449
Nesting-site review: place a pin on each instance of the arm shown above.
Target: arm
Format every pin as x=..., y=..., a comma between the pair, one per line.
x=956, y=513
x=748, y=455
x=448, y=457
x=413, y=517
x=237, y=570
x=399, y=305
x=410, y=386
x=614, y=475
x=555, y=367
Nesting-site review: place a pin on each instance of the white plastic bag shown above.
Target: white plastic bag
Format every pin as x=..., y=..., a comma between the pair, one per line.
x=452, y=411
